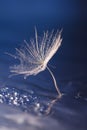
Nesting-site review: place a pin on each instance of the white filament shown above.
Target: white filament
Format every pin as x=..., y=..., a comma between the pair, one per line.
x=34, y=57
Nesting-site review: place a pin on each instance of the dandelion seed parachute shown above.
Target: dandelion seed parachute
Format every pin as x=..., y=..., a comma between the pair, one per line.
x=34, y=56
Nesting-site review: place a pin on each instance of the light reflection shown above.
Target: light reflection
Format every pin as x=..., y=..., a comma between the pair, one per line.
x=26, y=101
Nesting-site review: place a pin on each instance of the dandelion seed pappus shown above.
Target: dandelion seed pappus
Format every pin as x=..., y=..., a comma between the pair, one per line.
x=34, y=56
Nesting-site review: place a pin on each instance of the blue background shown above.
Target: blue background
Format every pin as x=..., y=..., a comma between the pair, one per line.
x=18, y=19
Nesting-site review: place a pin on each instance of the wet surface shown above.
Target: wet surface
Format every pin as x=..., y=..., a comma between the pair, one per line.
x=69, y=112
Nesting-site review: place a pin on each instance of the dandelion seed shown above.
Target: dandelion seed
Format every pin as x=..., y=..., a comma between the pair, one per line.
x=34, y=57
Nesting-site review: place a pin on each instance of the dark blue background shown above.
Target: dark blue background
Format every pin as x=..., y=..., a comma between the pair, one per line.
x=18, y=19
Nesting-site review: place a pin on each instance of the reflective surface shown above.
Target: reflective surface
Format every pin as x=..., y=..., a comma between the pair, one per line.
x=23, y=109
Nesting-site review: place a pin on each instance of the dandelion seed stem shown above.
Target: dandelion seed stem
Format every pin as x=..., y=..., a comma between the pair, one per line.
x=55, y=83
